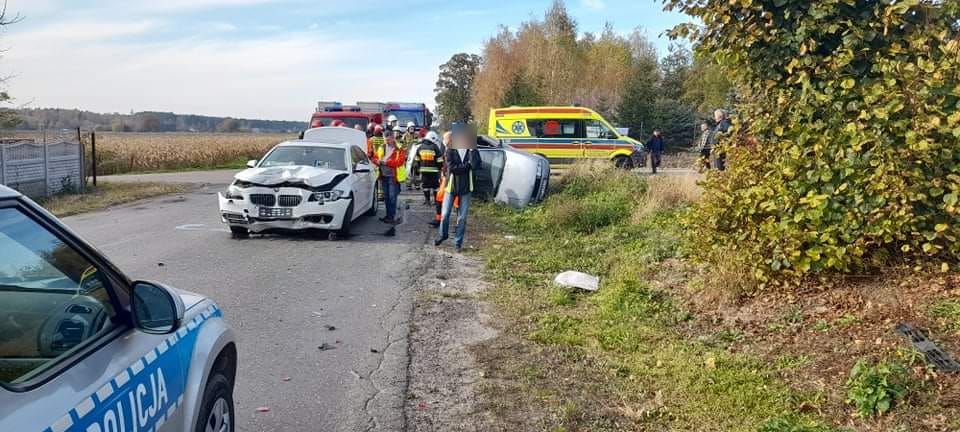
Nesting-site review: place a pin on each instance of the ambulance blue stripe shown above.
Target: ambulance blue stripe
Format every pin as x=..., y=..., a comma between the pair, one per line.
x=72, y=418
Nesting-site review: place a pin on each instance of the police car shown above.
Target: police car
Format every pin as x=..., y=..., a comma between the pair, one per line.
x=83, y=348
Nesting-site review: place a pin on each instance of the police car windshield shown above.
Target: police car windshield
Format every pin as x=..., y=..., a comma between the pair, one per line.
x=26, y=256
x=321, y=157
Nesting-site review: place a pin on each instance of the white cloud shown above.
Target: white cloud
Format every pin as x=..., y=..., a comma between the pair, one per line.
x=594, y=4
x=278, y=76
x=222, y=26
x=79, y=31
x=180, y=6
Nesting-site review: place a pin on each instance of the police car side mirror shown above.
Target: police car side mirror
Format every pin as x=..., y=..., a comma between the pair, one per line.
x=252, y=163
x=156, y=308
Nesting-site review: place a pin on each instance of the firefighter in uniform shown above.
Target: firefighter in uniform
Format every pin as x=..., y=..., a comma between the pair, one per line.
x=375, y=143
x=427, y=164
x=409, y=136
x=408, y=141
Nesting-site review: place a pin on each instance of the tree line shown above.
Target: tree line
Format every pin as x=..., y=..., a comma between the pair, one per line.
x=622, y=77
x=58, y=118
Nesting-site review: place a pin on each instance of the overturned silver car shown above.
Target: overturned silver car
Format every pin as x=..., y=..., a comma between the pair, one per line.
x=510, y=176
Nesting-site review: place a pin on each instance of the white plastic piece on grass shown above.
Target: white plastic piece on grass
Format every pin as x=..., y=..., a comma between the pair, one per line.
x=576, y=279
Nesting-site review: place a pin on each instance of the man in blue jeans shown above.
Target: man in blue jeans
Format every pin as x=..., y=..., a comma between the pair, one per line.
x=461, y=161
x=390, y=158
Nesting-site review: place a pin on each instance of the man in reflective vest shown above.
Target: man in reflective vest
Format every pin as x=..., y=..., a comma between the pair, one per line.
x=427, y=163
x=390, y=159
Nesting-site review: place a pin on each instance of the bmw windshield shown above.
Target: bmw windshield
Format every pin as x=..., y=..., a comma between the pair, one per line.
x=320, y=157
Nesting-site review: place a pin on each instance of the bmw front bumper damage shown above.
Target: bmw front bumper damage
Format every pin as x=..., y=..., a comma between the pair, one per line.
x=263, y=209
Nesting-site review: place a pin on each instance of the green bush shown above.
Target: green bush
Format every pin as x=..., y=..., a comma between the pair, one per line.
x=846, y=149
x=874, y=389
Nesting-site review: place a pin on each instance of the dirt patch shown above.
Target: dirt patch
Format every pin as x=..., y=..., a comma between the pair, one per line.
x=813, y=335
x=445, y=379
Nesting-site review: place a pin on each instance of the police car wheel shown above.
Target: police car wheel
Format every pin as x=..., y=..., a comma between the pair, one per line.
x=216, y=412
x=623, y=162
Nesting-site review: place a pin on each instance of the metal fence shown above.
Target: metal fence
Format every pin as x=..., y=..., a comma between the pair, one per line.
x=42, y=169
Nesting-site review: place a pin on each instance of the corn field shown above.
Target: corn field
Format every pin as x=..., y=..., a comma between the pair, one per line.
x=120, y=152
x=129, y=152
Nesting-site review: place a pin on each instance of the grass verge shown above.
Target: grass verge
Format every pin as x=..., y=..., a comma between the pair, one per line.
x=106, y=195
x=625, y=339
x=668, y=345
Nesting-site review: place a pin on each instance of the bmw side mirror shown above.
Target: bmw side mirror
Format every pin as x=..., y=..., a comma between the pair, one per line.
x=156, y=308
x=252, y=163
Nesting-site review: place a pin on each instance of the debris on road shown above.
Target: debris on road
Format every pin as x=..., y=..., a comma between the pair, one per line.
x=577, y=279
x=263, y=409
x=422, y=406
x=325, y=346
x=329, y=327
x=374, y=350
x=355, y=374
x=160, y=264
x=286, y=379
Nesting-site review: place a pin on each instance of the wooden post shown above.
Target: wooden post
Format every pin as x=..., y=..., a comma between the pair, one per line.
x=46, y=171
x=3, y=164
x=83, y=176
x=93, y=156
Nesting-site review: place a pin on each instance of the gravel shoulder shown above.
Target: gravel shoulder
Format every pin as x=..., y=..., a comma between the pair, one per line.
x=445, y=390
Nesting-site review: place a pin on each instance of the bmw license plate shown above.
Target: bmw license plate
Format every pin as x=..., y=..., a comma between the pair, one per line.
x=273, y=212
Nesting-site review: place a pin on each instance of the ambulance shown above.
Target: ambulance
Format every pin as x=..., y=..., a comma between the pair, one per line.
x=562, y=134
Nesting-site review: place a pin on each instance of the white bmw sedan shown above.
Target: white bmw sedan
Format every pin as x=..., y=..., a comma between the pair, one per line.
x=322, y=181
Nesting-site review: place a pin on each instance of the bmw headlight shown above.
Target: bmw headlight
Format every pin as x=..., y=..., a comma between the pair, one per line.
x=233, y=193
x=328, y=196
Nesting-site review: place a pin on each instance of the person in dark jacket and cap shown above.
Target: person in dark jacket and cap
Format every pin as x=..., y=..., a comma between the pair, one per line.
x=461, y=162
x=655, y=147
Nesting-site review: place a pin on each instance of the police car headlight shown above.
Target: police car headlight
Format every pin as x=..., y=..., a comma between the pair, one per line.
x=233, y=193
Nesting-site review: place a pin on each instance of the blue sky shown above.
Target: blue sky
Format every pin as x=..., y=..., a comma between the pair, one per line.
x=268, y=59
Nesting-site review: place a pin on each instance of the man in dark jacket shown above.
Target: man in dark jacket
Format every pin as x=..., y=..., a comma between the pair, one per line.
x=655, y=147
x=461, y=161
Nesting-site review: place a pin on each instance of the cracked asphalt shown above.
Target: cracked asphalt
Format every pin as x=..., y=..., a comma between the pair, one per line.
x=282, y=293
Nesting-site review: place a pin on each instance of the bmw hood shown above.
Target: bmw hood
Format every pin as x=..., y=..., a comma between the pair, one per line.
x=311, y=176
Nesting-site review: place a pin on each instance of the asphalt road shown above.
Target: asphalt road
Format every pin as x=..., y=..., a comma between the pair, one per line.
x=280, y=292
